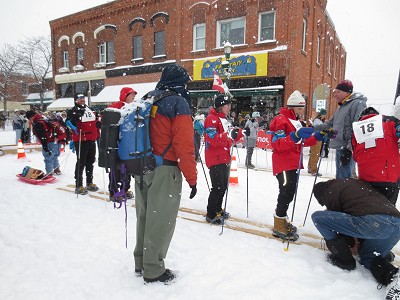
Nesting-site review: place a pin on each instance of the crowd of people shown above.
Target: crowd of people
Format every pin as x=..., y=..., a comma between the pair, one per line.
x=360, y=217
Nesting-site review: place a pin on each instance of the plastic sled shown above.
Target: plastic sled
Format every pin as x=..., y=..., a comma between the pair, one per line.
x=47, y=179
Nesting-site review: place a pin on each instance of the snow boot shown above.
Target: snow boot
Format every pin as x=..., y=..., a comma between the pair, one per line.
x=165, y=278
x=388, y=275
x=57, y=171
x=129, y=195
x=92, y=187
x=223, y=214
x=282, y=229
x=341, y=255
x=216, y=220
x=81, y=190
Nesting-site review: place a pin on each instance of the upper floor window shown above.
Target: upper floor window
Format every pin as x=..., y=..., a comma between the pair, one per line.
x=106, y=52
x=232, y=31
x=199, y=37
x=137, y=47
x=304, y=39
x=79, y=56
x=266, y=26
x=159, y=43
x=318, y=49
x=65, y=59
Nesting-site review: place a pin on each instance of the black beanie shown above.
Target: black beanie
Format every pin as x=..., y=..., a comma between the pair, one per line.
x=30, y=114
x=319, y=192
x=221, y=100
x=345, y=86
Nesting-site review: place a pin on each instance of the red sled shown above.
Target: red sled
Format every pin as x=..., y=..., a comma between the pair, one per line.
x=47, y=179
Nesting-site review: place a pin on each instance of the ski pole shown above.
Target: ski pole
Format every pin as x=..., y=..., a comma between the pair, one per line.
x=226, y=195
x=315, y=180
x=297, y=186
x=204, y=171
x=247, y=178
x=79, y=161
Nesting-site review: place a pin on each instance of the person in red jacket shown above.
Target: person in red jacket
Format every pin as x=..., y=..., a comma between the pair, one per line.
x=219, y=137
x=376, y=151
x=84, y=125
x=289, y=134
x=126, y=96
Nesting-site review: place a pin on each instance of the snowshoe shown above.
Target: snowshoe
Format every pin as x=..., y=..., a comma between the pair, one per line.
x=290, y=236
x=393, y=288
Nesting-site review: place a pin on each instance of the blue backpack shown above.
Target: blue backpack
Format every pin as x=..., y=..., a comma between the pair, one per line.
x=134, y=148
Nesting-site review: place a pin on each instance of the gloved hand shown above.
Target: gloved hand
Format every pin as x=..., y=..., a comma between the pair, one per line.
x=398, y=131
x=325, y=134
x=193, y=192
x=72, y=146
x=279, y=134
x=234, y=133
x=246, y=131
x=302, y=133
x=345, y=157
x=72, y=126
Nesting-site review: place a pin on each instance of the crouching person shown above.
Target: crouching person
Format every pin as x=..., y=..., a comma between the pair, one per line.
x=356, y=210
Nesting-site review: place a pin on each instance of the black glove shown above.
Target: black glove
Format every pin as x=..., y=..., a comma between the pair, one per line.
x=193, y=192
x=246, y=131
x=345, y=157
x=234, y=133
x=330, y=133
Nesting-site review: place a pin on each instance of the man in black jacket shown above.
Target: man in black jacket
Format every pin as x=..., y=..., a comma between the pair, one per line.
x=356, y=210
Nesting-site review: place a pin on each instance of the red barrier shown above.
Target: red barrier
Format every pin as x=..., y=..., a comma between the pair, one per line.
x=264, y=140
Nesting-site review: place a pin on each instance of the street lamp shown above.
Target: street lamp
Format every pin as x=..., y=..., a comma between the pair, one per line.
x=226, y=64
x=227, y=50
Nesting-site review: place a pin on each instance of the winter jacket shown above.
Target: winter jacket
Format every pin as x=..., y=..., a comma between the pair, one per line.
x=171, y=124
x=218, y=143
x=42, y=131
x=342, y=121
x=18, y=121
x=356, y=198
x=251, y=140
x=286, y=153
x=382, y=162
x=118, y=104
x=86, y=123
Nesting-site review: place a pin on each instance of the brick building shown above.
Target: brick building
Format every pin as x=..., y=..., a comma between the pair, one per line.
x=278, y=47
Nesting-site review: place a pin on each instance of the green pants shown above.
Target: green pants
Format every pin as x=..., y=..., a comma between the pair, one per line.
x=157, y=206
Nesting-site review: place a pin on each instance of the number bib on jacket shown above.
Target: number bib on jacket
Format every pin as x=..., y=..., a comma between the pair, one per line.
x=88, y=116
x=296, y=124
x=367, y=131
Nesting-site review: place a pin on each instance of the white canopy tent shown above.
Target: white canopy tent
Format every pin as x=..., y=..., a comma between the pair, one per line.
x=107, y=96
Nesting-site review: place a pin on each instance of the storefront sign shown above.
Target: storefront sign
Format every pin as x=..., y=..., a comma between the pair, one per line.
x=241, y=66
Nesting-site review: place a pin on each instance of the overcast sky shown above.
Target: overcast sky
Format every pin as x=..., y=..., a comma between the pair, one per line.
x=369, y=30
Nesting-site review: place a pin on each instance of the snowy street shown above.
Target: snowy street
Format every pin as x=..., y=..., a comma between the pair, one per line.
x=55, y=245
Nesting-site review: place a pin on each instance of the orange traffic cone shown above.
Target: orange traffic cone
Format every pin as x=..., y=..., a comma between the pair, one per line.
x=21, y=151
x=233, y=175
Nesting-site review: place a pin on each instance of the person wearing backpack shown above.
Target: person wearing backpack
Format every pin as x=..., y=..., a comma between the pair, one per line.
x=127, y=95
x=158, y=192
x=85, y=131
x=50, y=140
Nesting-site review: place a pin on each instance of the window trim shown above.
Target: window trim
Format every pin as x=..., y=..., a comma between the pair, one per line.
x=103, y=51
x=195, y=38
x=259, y=26
x=304, y=36
x=220, y=22
x=318, y=56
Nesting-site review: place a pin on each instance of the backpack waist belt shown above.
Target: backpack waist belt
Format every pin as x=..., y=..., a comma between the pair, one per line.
x=168, y=162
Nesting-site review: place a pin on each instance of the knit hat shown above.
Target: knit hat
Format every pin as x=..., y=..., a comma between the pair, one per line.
x=296, y=100
x=221, y=100
x=322, y=112
x=30, y=114
x=173, y=76
x=319, y=191
x=368, y=111
x=78, y=96
x=255, y=114
x=125, y=92
x=345, y=86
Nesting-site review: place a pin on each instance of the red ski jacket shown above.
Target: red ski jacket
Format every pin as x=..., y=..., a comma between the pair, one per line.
x=286, y=153
x=218, y=144
x=85, y=121
x=382, y=162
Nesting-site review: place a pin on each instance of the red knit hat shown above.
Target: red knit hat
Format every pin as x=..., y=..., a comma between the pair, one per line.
x=125, y=92
x=345, y=86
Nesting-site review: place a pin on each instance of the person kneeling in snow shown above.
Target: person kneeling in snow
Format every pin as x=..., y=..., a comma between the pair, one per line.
x=356, y=210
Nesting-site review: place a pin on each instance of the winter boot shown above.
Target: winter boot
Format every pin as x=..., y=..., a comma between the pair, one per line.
x=386, y=274
x=81, y=190
x=216, y=220
x=282, y=229
x=57, y=171
x=223, y=214
x=129, y=194
x=92, y=187
x=341, y=255
x=166, y=277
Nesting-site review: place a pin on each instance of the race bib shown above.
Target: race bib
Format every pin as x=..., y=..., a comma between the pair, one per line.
x=88, y=116
x=296, y=124
x=367, y=131
x=226, y=124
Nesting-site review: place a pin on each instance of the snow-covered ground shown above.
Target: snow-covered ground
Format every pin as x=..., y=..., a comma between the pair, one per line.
x=55, y=245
